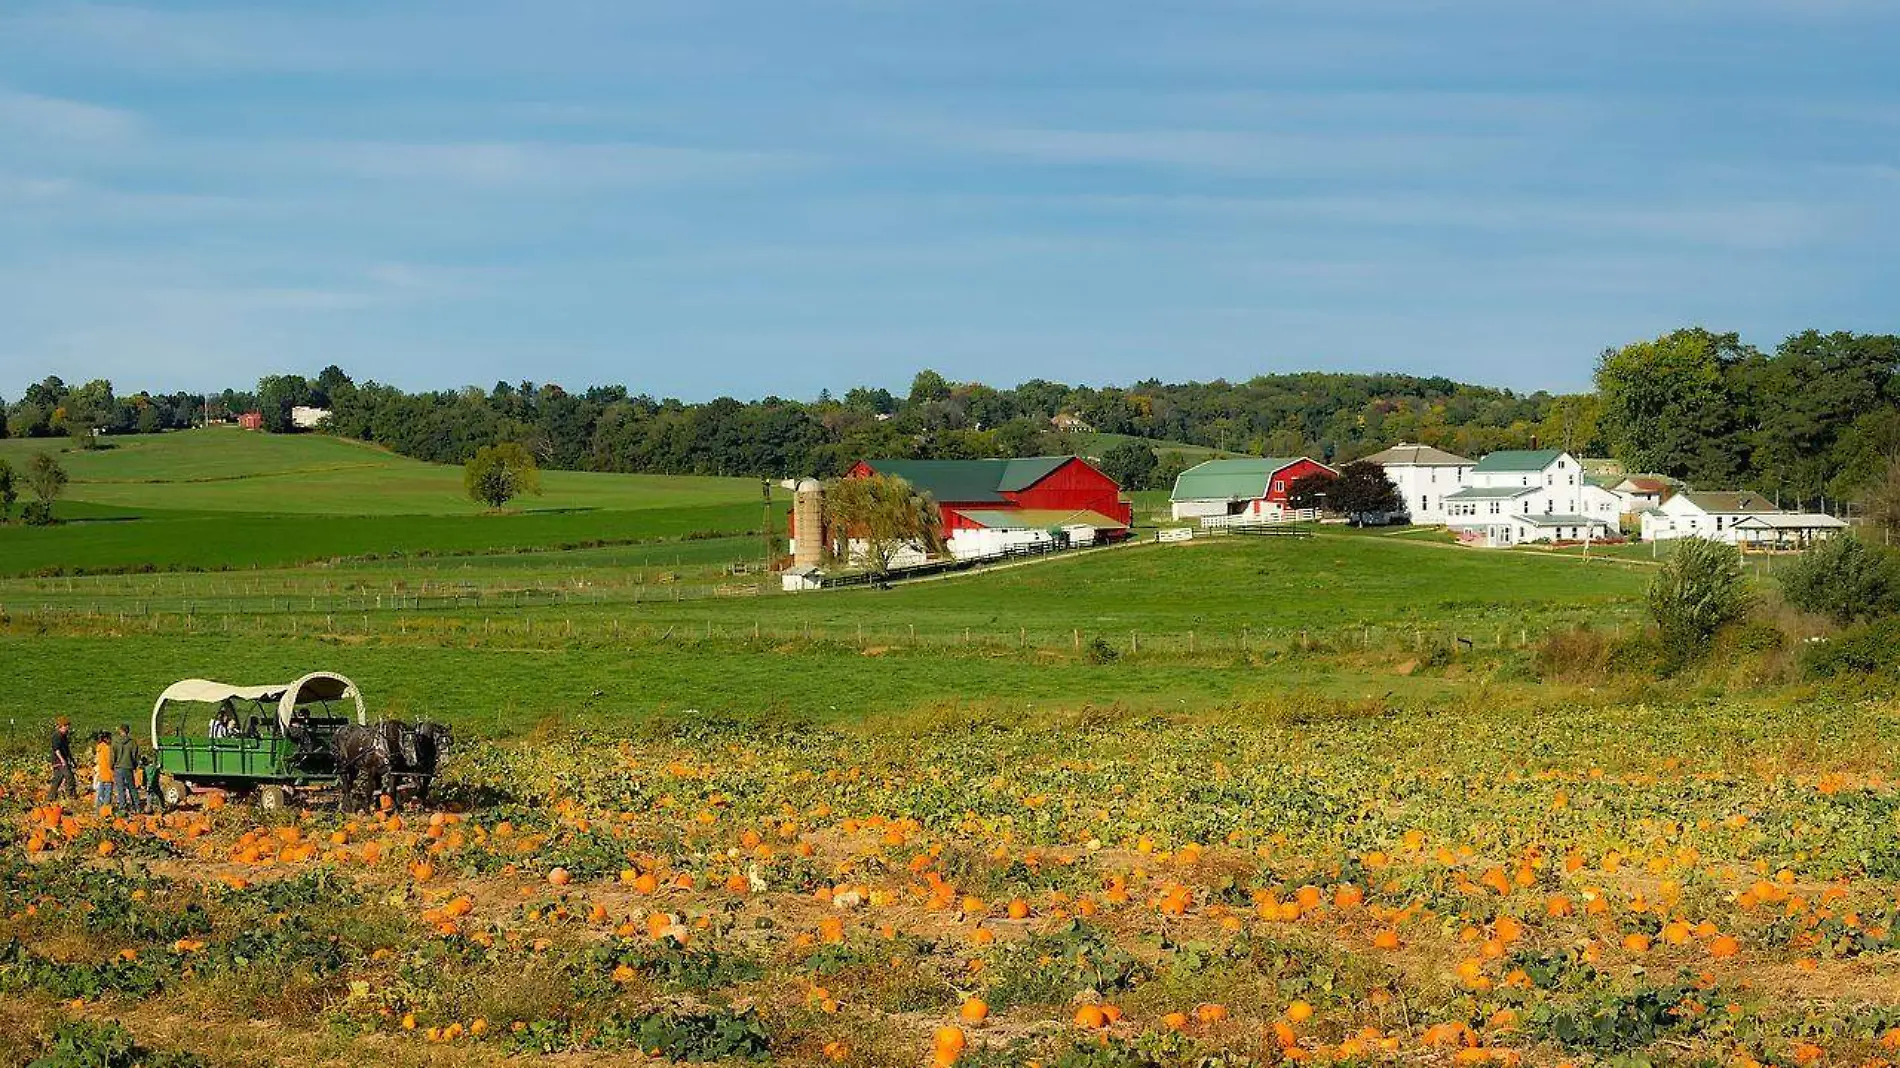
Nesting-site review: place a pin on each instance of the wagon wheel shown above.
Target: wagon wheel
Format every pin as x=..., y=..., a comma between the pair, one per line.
x=173, y=791
x=273, y=798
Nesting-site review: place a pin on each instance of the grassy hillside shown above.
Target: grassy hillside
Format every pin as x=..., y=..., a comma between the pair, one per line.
x=227, y=470
x=1097, y=444
x=224, y=498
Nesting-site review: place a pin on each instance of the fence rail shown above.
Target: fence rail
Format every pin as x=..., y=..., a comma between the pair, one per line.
x=605, y=629
x=1244, y=520
x=966, y=563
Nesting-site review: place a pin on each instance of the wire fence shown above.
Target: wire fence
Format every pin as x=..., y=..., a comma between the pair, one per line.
x=1437, y=640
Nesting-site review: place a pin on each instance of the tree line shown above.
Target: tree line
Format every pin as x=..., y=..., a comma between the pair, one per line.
x=1817, y=418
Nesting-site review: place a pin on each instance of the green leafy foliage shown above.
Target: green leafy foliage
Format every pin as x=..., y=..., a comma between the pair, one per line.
x=497, y=474
x=697, y=968
x=1050, y=967
x=85, y=1044
x=1697, y=590
x=1132, y=464
x=1844, y=579
x=1617, y=1023
x=681, y=1035
x=1864, y=650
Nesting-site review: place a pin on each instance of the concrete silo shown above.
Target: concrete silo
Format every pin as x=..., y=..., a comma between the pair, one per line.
x=808, y=523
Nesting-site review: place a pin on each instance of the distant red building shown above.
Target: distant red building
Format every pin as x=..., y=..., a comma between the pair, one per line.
x=251, y=421
x=980, y=494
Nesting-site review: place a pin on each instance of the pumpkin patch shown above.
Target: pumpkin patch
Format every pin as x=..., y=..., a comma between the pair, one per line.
x=1552, y=890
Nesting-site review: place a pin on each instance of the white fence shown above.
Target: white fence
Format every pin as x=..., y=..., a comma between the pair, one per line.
x=1231, y=522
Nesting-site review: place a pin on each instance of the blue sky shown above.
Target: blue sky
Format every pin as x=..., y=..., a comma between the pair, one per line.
x=774, y=196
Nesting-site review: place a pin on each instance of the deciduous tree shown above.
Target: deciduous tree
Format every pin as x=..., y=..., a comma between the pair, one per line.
x=1311, y=491
x=1667, y=406
x=497, y=474
x=47, y=479
x=1363, y=489
x=1131, y=463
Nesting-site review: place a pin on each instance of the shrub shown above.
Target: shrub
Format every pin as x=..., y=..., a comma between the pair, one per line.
x=1100, y=652
x=1752, y=636
x=1697, y=590
x=1844, y=579
x=1577, y=653
x=37, y=513
x=1864, y=650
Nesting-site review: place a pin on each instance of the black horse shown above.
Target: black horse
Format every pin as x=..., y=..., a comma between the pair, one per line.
x=362, y=764
x=423, y=750
x=381, y=758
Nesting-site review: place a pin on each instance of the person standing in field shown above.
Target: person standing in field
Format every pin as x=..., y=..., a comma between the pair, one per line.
x=62, y=758
x=125, y=764
x=102, y=769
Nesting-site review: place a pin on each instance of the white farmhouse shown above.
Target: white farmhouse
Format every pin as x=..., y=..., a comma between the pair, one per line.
x=1425, y=477
x=1704, y=515
x=1640, y=492
x=1519, y=495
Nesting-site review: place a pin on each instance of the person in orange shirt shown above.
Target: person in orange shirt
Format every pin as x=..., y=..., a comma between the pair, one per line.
x=101, y=768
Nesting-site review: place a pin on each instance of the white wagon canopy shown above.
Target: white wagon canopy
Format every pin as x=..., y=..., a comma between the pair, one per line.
x=318, y=687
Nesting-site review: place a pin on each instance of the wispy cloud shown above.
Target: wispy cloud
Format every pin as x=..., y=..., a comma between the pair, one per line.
x=529, y=165
x=29, y=114
x=184, y=41
x=1208, y=150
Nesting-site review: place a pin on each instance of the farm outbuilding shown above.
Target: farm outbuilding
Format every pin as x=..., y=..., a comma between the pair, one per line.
x=1785, y=530
x=1254, y=486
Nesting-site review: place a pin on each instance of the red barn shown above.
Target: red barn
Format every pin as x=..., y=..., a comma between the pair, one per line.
x=251, y=421
x=989, y=504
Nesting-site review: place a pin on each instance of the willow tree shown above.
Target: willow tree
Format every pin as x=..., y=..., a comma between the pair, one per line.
x=879, y=516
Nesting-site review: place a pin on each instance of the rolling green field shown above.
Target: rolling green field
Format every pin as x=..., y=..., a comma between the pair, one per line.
x=226, y=470
x=1098, y=443
x=223, y=498
x=651, y=601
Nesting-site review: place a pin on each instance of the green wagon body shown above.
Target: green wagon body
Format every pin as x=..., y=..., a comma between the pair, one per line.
x=237, y=763
x=263, y=754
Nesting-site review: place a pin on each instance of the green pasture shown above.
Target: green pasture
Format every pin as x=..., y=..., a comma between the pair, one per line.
x=1221, y=589
x=101, y=680
x=1098, y=443
x=221, y=469
x=163, y=540
x=1269, y=585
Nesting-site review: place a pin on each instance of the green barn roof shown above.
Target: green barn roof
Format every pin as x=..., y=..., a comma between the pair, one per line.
x=1518, y=460
x=1229, y=480
x=970, y=481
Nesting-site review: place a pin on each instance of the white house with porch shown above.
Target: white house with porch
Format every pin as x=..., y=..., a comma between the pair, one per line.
x=1425, y=477
x=1711, y=515
x=1520, y=495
